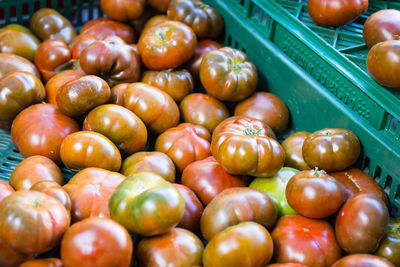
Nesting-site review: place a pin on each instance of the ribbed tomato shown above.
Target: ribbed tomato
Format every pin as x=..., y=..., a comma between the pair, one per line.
x=5, y=190
x=59, y=80
x=202, y=48
x=123, y=10
x=49, y=262
x=293, y=146
x=382, y=26
x=55, y=190
x=193, y=209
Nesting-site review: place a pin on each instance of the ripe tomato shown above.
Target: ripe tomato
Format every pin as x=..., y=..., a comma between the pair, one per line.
x=123, y=10
x=178, y=247
x=389, y=247
x=154, y=20
x=10, y=257
x=228, y=75
x=184, y=144
x=160, y=5
x=175, y=43
x=86, y=149
x=335, y=12
x=55, y=190
x=33, y=170
x=286, y=265
x=90, y=190
x=32, y=222
x=59, y=80
x=202, y=48
x=42, y=122
x=204, y=110
x=360, y=260
x=247, y=244
x=18, y=90
x=96, y=242
x=118, y=93
x=49, y=262
x=382, y=26
x=193, y=209
x=361, y=223
x=5, y=190
x=138, y=24
x=311, y=242
x=331, y=149
x=293, y=146
x=156, y=162
x=10, y=63
x=146, y=204
x=104, y=27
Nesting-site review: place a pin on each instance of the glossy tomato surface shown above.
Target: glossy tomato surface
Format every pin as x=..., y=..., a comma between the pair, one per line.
x=5, y=190
x=40, y=130
x=160, y=5
x=59, y=80
x=54, y=190
x=293, y=146
x=49, y=262
x=202, y=48
x=11, y=62
x=103, y=27
x=123, y=10
x=389, y=247
x=10, y=257
x=382, y=26
x=361, y=260
x=154, y=20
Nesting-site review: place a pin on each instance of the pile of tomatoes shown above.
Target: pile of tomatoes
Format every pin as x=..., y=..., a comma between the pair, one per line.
x=166, y=173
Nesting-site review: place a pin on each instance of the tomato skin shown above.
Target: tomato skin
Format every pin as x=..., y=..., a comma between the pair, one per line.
x=86, y=149
x=51, y=54
x=96, y=242
x=156, y=162
x=118, y=93
x=207, y=179
x=78, y=96
x=169, y=54
x=160, y=5
x=308, y=189
x=11, y=62
x=382, y=26
x=146, y=204
x=360, y=260
x=286, y=265
x=16, y=39
x=58, y=80
x=5, y=190
x=10, y=257
x=265, y=107
x=247, y=244
x=178, y=248
x=293, y=146
x=55, y=190
x=237, y=135
x=331, y=149
x=43, y=121
x=123, y=10
x=47, y=23
x=386, y=72
x=228, y=75
x=184, y=144
x=335, y=12
x=32, y=222
x=361, y=223
x=104, y=27
x=202, y=48
x=176, y=83
x=389, y=247
x=19, y=90
x=154, y=21
x=49, y=262
x=204, y=110
x=120, y=125
x=311, y=242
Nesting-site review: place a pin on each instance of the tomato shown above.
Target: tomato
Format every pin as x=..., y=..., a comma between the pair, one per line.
x=389, y=247
x=176, y=83
x=50, y=55
x=193, y=209
x=331, y=149
x=120, y=125
x=32, y=222
x=156, y=162
x=153, y=106
x=178, y=248
x=361, y=260
x=10, y=257
x=293, y=146
x=146, y=204
x=104, y=27
x=337, y=12
x=275, y=188
x=311, y=242
x=205, y=21
x=382, y=26
x=16, y=39
x=55, y=190
x=123, y=10
x=286, y=265
x=246, y=146
x=120, y=65
x=160, y=5
x=184, y=144
x=35, y=169
x=265, y=107
x=138, y=24
x=18, y=90
x=207, y=179
x=89, y=149
x=59, y=80
x=42, y=122
x=10, y=63
x=354, y=181
x=118, y=93
x=247, y=244
x=154, y=20
x=90, y=190
x=204, y=110
x=166, y=45
x=202, y=48
x=80, y=95
x=385, y=54
x=49, y=262
x=47, y=23
x=80, y=43
x=361, y=223
x=228, y=75
x=96, y=242
x=5, y=190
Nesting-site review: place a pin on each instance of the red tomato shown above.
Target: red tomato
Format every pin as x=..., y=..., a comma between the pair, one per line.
x=50, y=262
x=123, y=10
x=160, y=5
x=382, y=26
x=293, y=146
x=10, y=257
x=11, y=62
x=55, y=190
x=118, y=93
x=104, y=27
x=59, y=80
x=5, y=190
x=362, y=260
x=202, y=48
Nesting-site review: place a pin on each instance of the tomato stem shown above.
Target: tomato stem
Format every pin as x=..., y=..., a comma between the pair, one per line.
x=250, y=131
x=316, y=172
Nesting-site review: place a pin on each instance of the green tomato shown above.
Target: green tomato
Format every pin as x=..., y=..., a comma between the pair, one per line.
x=275, y=187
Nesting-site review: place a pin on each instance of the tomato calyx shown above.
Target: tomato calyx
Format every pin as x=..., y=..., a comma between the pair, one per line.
x=36, y=203
x=251, y=131
x=161, y=35
x=317, y=173
x=200, y=5
x=235, y=65
x=305, y=229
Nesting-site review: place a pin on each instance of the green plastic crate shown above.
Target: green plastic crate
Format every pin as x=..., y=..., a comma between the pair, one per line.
x=319, y=92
